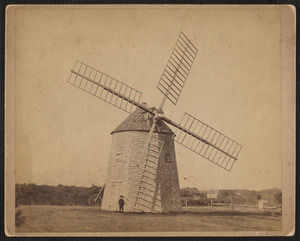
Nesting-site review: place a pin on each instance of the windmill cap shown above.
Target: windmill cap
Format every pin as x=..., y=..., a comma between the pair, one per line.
x=140, y=120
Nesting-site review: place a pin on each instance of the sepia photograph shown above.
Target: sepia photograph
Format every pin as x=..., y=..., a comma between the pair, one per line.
x=137, y=120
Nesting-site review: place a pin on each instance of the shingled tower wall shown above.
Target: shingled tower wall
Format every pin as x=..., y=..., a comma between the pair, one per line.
x=160, y=191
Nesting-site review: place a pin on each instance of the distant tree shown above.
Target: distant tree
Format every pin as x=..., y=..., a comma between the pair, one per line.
x=258, y=197
x=278, y=198
x=225, y=194
x=19, y=219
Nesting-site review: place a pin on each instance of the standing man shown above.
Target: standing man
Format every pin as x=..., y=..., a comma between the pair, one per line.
x=121, y=204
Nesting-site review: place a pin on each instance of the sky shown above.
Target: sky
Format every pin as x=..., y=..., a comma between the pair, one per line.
x=63, y=134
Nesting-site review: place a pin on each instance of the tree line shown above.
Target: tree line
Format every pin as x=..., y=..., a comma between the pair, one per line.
x=32, y=194
x=240, y=196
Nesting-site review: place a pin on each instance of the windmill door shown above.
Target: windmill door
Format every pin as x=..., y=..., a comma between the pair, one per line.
x=115, y=195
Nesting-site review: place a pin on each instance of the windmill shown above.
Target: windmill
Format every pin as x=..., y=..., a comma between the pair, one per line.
x=142, y=165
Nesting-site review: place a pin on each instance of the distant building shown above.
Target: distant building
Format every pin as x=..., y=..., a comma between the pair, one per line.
x=262, y=204
x=212, y=194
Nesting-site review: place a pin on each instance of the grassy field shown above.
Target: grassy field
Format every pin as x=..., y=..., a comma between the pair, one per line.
x=92, y=219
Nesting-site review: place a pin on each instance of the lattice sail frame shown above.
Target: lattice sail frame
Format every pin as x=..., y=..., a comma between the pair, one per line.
x=178, y=68
x=207, y=142
x=104, y=87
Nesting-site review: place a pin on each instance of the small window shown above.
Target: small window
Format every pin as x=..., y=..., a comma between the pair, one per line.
x=168, y=158
x=119, y=157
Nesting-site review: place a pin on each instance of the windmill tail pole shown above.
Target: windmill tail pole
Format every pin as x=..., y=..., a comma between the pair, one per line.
x=146, y=149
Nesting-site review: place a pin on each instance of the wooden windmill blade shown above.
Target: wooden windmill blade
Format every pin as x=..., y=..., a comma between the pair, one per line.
x=177, y=69
x=206, y=141
x=104, y=87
